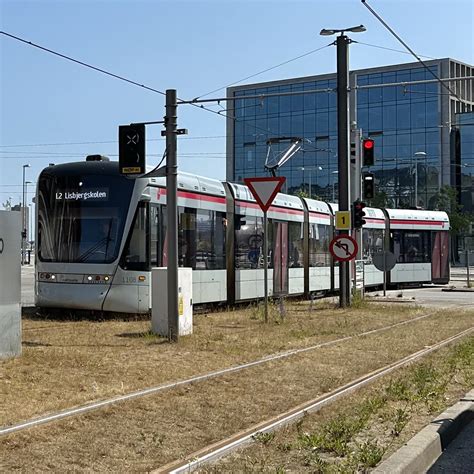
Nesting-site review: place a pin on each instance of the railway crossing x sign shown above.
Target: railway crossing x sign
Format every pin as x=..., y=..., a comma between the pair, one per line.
x=343, y=247
x=264, y=190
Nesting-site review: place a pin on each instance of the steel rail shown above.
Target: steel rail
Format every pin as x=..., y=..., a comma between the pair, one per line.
x=79, y=410
x=237, y=441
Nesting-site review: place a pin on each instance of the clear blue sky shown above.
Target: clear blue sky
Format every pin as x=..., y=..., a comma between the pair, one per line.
x=193, y=46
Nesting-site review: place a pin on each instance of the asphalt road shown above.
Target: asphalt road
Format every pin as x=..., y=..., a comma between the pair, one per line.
x=458, y=457
x=433, y=296
x=28, y=285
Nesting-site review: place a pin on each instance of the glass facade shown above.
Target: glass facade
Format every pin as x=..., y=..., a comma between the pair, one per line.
x=464, y=163
x=406, y=122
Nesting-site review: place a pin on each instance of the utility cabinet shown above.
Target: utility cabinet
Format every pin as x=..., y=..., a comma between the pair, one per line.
x=10, y=284
x=159, y=301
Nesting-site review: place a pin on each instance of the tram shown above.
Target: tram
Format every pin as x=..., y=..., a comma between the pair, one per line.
x=99, y=234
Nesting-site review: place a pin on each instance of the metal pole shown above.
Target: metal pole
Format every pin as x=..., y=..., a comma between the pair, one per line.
x=384, y=273
x=343, y=153
x=416, y=183
x=172, y=213
x=265, y=262
x=23, y=221
x=467, y=270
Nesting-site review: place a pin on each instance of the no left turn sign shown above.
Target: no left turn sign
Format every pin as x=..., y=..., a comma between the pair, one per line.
x=343, y=248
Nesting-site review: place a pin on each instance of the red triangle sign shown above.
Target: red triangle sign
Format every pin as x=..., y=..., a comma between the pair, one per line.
x=264, y=190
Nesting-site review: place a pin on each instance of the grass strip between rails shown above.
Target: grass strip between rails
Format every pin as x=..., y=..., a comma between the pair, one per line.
x=354, y=435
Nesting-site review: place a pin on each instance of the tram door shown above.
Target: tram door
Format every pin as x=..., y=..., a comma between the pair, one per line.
x=280, y=258
x=440, y=257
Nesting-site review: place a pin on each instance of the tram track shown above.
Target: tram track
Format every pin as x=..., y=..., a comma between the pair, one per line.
x=99, y=404
x=224, y=447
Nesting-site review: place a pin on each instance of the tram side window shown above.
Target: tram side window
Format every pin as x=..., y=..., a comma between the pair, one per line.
x=372, y=242
x=411, y=246
x=134, y=256
x=154, y=228
x=295, y=237
x=187, y=237
x=249, y=242
x=319, y=239
x=210, y=248
x=158, y=235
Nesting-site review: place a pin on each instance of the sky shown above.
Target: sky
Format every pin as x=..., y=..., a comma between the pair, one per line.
x=56, y=111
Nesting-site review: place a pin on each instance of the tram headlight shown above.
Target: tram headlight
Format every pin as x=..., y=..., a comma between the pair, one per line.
x=97, y=278
x=44, y=276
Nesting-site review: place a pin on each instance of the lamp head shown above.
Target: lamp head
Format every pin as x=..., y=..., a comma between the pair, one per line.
x=357, y=29
x=325, y=32
x=353, y=29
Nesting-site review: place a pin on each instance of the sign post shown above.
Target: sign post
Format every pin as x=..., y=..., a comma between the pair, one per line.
x=384, y=261
x=264, y=191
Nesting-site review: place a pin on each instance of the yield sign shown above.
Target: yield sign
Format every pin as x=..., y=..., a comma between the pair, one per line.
x=264, y=190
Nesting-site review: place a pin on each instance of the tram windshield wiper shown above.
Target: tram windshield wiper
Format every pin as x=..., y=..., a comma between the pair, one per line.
x=92, y=250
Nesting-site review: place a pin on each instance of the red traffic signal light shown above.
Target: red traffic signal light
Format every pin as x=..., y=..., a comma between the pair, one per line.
x=368, y=146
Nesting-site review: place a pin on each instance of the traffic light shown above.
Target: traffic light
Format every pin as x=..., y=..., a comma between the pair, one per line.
x=368, y=146
x=132, y=149
x=358, y=214
x=368, y=185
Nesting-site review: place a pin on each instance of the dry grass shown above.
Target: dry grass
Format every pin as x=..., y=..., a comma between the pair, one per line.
x=69, y=363
x=357, y=432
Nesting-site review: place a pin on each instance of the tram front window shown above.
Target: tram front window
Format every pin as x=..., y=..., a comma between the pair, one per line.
x=81, y=218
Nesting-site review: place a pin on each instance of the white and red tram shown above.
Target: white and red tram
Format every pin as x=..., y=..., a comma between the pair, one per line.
x=99, y=234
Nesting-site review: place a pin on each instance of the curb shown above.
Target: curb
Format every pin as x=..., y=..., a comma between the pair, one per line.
x=425, y=447
x=462, y=290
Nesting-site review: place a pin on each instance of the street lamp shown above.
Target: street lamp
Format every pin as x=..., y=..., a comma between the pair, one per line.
x=31, y=231
x=418, y=153
x=23, y=216
x=342, y=42
x=310, y=168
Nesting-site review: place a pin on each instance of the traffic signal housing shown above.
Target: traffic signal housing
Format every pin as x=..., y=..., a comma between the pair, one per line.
x=358, y=214
x=368, y=185
x=368, y=146
x=132, y=149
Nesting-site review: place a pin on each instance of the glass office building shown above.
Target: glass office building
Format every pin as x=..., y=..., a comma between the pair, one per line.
x=411, y=124
x=463, y=162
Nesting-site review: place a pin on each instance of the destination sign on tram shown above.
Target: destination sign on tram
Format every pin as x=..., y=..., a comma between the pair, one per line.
x=101, y=194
